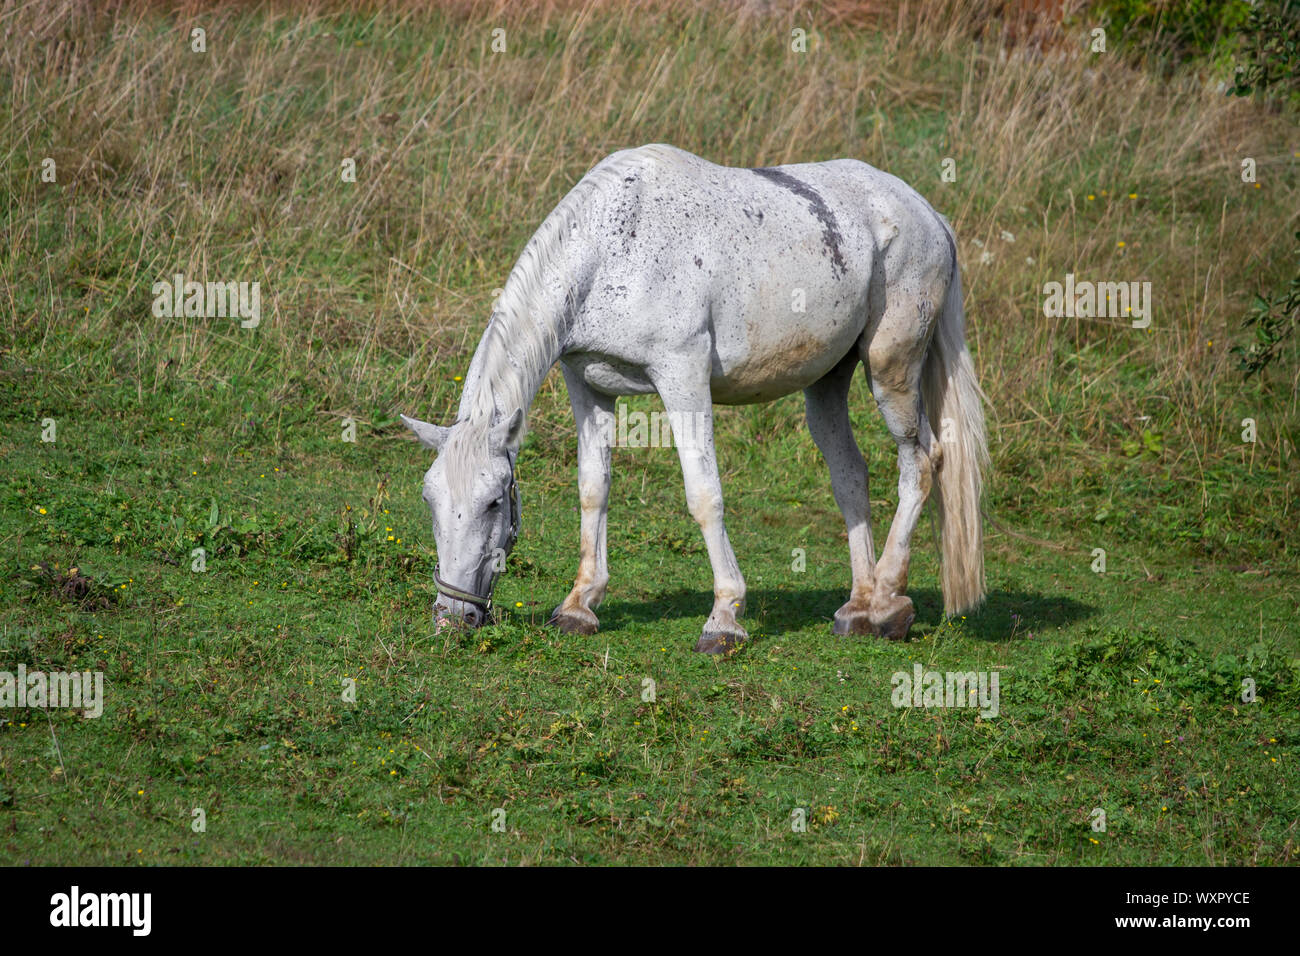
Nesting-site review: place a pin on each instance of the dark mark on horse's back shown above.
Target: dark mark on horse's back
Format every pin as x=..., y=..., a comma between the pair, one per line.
x=816, y=205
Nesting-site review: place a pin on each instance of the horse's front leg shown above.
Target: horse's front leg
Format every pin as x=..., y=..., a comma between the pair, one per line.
x=593, y=414
x=689, y=404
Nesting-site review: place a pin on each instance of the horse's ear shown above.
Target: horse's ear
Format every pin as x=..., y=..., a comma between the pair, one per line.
x=508, y=433
x=431, y=436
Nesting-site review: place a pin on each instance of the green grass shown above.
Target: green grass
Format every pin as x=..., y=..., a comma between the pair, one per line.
x=1119, y=691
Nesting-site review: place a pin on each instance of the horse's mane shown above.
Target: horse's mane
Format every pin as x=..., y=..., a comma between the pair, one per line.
x=522, y=339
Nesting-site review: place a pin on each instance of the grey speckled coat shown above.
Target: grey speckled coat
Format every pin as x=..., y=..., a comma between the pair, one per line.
x=707, y=284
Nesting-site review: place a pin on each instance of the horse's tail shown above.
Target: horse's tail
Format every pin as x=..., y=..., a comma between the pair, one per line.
x=954, y=406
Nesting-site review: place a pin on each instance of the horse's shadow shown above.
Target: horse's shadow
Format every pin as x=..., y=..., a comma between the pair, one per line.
x=1005, y=615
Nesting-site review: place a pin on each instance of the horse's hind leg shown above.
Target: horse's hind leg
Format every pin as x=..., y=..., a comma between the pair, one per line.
x=894, y=359
x=827, y=410
x=593, y=414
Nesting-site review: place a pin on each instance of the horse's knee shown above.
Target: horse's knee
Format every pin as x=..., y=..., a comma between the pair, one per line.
x=705, y=507
x=591, y=494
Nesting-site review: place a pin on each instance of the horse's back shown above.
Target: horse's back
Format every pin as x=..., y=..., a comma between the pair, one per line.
x=779, y=269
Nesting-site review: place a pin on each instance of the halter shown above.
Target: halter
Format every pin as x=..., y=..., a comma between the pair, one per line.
x=485, y=600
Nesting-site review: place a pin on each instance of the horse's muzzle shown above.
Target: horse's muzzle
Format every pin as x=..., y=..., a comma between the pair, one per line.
x=453, y=612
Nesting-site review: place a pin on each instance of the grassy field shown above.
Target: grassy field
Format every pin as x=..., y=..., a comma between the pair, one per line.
x=1120, y=691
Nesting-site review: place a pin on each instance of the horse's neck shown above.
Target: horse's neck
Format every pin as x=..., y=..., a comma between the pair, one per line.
x=529, y=323
x=522, y=341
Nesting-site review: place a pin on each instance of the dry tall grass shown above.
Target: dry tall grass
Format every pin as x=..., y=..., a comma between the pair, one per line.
x=226, y=164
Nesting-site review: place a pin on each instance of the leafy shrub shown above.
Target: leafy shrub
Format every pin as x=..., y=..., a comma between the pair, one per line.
x=1274, y=319
x=1190, y=30
x=1270, y=58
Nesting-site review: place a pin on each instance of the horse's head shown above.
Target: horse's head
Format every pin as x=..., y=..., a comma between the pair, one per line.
x=471, y=492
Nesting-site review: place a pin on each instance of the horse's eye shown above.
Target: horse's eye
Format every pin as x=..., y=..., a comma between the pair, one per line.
x=495, y=505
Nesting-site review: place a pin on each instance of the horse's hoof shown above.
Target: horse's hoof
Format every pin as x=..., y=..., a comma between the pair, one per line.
x=853, y=619
x=720, y=642
x=895, y=620
x=574, y=620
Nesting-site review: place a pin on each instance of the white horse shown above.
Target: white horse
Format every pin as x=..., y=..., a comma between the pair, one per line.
x=661, y=272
